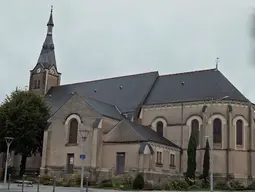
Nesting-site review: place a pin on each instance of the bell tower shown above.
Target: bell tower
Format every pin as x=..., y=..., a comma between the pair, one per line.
x=45, y=73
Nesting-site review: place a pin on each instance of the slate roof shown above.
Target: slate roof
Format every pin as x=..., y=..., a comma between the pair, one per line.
x=126, y=131
x=104, y=108
x=193, y=86
x=125, y=92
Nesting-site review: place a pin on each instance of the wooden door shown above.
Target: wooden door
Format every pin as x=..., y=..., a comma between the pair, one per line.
x=120, y=163
x=70, y=163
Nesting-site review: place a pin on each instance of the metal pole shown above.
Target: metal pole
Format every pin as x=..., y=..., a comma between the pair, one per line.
x=87, y=184
x=9, y=181
x=22, y=187
x=82, y=164
x=6, y=162
x=38, y=183
x=211, y=162
x=54, y=183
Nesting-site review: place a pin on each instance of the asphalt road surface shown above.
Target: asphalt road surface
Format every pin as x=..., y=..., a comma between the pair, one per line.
x=43, y=188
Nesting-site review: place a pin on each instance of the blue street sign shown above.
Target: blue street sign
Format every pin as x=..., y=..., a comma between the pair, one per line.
x=82, y=156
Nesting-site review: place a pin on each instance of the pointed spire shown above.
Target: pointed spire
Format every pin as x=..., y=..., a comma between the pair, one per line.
x=47, y=55
x=50, y=22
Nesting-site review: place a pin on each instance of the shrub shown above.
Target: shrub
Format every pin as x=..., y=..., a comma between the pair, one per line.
x=66, y=184
x=105, y=184
x=251, y=186
x=148, y=185
x=195, y=187
x=75, y=180
x=237, y=185
x=46, y=180
x=117, y=182
x=179, y=185
x=138, y=182
x=205, y=184
x=222, y=186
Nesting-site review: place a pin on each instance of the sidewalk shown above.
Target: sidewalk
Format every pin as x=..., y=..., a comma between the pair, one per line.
x=15, y=188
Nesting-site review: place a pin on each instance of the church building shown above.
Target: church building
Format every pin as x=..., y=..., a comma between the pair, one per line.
x=142, y=122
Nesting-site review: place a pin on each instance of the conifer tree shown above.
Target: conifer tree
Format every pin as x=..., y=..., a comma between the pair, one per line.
x=191, y=164
x=206, y=165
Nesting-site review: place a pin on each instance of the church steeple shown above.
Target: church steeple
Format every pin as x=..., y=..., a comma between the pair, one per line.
x=45, y=74
x=50, y=23
x=47, y=55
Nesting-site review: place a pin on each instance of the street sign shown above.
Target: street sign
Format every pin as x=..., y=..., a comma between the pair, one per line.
x=82, y=156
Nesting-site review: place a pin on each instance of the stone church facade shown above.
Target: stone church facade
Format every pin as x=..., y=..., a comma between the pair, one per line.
x=142, y=122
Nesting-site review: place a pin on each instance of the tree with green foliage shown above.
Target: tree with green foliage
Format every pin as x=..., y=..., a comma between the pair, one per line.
x=206, y=165
x=191, y=164
x=23, y=116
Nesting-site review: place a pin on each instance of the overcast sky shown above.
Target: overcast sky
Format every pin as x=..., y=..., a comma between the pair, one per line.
x=105, y=38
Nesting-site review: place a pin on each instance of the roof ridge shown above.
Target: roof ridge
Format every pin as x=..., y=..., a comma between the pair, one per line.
x=116, y=77
x=187, y=72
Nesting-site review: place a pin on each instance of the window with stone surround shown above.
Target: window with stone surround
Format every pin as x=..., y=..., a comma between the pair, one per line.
x=73, y=131
x=38, y=84
x=35, y=84
x=217, y=131
x=239, y=132
x=159, y=128
x=172, y=160
x=195, y=129
x=159, y=158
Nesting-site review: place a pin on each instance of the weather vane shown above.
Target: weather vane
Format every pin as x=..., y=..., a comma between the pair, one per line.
x=51, y=8
x=217, y=62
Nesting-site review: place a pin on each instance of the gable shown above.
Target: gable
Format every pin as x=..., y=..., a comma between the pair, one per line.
x=127, y=131
x=122, y=132
x=74, y=105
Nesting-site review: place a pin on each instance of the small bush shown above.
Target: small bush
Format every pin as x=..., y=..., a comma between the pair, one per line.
x=157, y=187
x=179, y=185
x=46, y=180
x=116, y=182
x=195, y=187
x=66, y=184
x=251, y=186
x=237, y=185
x=105, y=184
x=138, y=182
x=205, y=185
x=222, y=186
x=148, y=185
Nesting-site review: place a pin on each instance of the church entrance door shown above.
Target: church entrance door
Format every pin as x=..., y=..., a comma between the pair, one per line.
x=120, y=163
x=70, y=163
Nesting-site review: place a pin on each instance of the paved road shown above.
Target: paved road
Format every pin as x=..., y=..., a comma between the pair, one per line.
x=15, y=188
x=43, y=188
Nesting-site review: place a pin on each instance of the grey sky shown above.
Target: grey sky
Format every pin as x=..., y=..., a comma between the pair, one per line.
x=105, y=38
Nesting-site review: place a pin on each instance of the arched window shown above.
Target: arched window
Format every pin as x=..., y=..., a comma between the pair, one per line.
x=239, y=132
x=195, y=129
x=217, y=131
x=160, y=128
x=73, y=131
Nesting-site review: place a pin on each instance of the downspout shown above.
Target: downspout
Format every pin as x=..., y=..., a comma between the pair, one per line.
x=228, y=139
x=181, y=154
x=250, y=141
